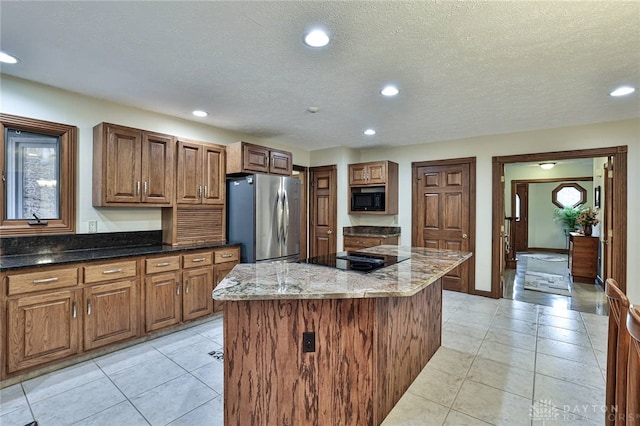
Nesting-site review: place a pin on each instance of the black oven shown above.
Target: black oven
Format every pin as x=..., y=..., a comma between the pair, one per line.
x=367, y=201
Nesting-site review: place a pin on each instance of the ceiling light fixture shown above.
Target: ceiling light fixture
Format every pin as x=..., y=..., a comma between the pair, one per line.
x=623, y=91
x=547, y=166
x=389, y=91
x=316, y=38
x=5, y=58
x=199, y=113
x=369, y=132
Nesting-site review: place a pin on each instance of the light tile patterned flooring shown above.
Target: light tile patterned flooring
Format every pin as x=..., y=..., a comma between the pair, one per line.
x=502, y=362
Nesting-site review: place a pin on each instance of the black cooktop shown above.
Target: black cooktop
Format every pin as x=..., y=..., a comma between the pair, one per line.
x=355, y=260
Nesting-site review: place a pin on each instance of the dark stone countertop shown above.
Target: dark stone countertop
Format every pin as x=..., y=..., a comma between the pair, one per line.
x=371, y=231
x=19, y=261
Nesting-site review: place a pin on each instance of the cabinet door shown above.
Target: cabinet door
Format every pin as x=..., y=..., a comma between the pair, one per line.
x=111, y=313
x=221, y=271
x=357, y=174
x=41, y=329
x=214, y=175
x=255, y=158
x=124, y=165
x=196, y=298
x=377, y=173
x=280, y=163
x=189, y=179
x=157, y=168
x=162, y=300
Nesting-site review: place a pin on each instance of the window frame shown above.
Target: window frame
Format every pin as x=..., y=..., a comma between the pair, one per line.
x=576, y=186
x=68, y=159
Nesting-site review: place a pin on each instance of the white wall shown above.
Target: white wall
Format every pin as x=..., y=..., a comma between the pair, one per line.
x=27, y=99
x=543, y=231
x=625, y=132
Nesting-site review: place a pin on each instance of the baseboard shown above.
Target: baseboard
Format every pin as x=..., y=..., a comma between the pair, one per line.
x=549, y=250
x=484, y=293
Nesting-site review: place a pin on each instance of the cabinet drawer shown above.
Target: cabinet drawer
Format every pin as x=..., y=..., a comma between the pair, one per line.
x=228, y=255
x=110, y=271
x=162, y=264
x=362, y=242
x=194, y=260
x=42, y=280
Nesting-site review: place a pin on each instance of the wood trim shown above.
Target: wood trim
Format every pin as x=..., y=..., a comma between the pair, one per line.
x=618, y=155
x=483, y=293
x=68, y=156
x=549, y=250
x=303, y=175
x=551, y=180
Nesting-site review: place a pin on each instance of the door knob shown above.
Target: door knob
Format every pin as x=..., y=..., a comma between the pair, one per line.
x=329, y=232
x=465, y=236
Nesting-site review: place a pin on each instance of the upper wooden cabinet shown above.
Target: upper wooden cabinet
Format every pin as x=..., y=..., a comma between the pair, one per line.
x=200, y=173
x=243, y=157
x=374, y=173
x=132, y=167
x=375, y=176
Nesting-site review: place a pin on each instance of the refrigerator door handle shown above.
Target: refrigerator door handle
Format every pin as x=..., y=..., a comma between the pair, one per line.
x=285, y=216
x=278, y=221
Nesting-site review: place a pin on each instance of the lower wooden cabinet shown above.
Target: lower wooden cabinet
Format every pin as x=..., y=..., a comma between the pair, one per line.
x=110, y=313
x=196, y=299
x=41, y=329
x=353, y=243
x=221, y=271
x=163, y=302
x=53, y=313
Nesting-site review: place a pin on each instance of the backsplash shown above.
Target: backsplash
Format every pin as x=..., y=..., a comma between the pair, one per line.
x=42, y=244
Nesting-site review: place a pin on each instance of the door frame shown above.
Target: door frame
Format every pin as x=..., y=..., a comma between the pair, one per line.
x=618, y=227
x=303, y=175
x=471, y=161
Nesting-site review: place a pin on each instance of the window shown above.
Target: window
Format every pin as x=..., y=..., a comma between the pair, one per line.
x=569, y=195
x=38, y=176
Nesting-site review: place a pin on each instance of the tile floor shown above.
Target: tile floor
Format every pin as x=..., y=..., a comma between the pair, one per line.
x=501, y=362
x=585, y=297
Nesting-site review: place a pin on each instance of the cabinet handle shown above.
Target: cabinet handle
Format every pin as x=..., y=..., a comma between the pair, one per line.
x=146, y=186
x=186, y=287
x=199, y=259
x=74, y=309
x=112, y=271
x=199, y=191
x=138, y=188
x=227, y=255
x=206, y=191
x=178, y=288
x=161, y=264
x=88, y=306
x=46, y=280
x=268, y=158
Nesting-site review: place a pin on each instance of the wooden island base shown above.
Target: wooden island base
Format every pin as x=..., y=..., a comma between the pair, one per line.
x=367, y=353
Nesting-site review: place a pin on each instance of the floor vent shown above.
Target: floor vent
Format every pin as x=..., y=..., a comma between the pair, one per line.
x=219, y=355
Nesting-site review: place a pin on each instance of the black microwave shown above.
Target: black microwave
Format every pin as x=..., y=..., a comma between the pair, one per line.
x=367, y=201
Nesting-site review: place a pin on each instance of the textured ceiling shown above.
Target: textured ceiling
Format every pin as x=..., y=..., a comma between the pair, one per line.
x=464, y=68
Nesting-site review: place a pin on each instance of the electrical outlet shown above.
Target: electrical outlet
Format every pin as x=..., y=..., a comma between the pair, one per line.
x=308, y=341
x=93, y=226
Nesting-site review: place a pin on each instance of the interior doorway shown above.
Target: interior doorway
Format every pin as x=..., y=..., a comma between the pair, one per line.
x=615, y=252
x=323, y=212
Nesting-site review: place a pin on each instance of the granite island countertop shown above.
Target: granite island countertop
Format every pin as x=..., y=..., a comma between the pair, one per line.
x=259, y=281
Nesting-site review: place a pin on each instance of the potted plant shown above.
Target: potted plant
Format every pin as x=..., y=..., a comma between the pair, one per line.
x=567, y=216
x=587, y=218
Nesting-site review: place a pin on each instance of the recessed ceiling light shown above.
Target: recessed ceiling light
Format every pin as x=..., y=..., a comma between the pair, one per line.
x=389, y=91
x=369, y=132
x=199, y=113
x=547, y=166
x=623, y=90
x=7, y=59
x=316, y=38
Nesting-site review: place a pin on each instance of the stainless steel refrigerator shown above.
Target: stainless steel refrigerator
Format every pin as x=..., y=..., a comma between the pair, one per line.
x=263, y=215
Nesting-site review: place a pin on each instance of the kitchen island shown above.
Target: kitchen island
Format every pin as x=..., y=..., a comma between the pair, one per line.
x=372, y=333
